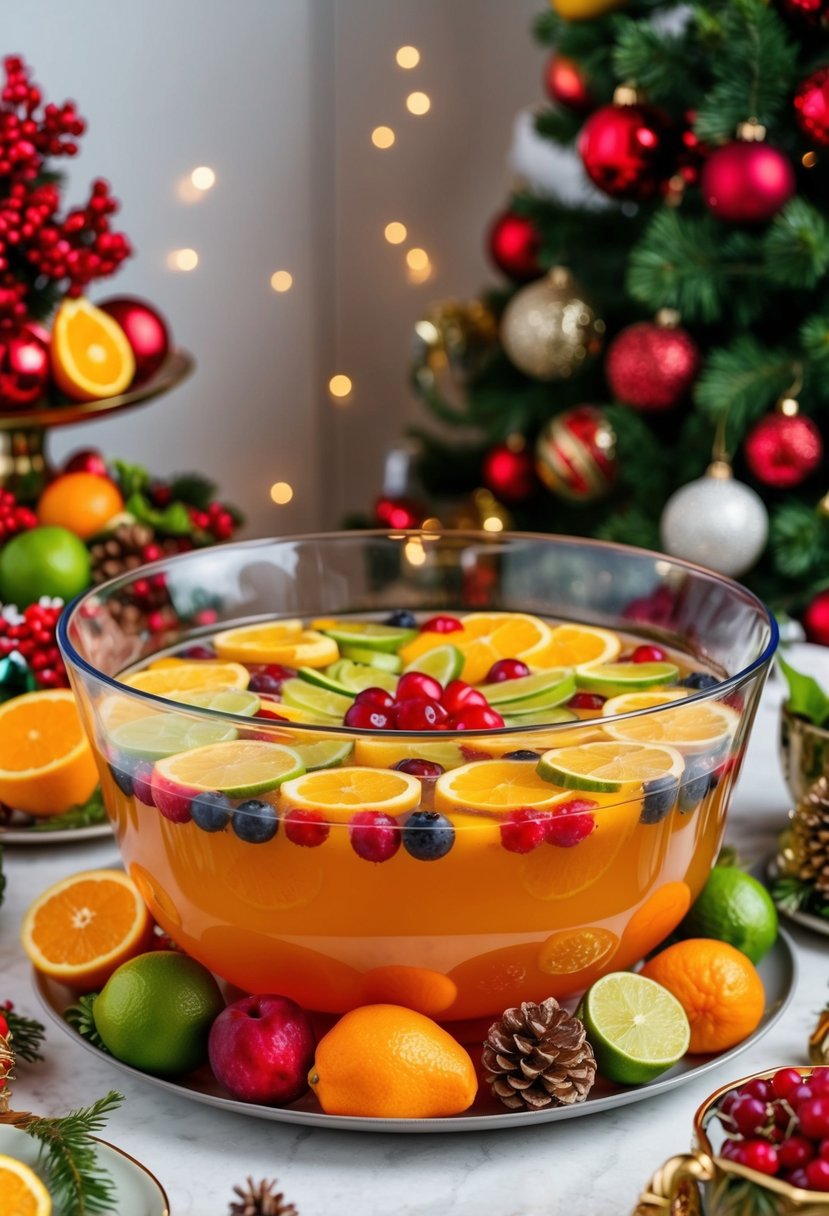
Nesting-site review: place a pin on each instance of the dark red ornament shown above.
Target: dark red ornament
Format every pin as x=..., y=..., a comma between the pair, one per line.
x=783, y=450
x=86, y=460
x=627, y=150
x=513, y=244
x=24, y=366
x=747, y=182
x=566, y=84
x=651, y=366
x=811, y=107
x=816, y=619
x=805, y=12
x=509, y=471
x=399, y=513
x=147, y=333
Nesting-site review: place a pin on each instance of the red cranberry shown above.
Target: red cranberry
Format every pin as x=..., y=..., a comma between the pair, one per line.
x=142, y=788
x=728, y=1101
x=749, y=1115
x=794, y=1152
x=477, y=717
x=817, y=1172
x=758, y=1088
x=196, y=652
x=814, y=1118
x=823, y=1150
x=473, y=753
x=648, y=654
x=458, y=695
x=571, y=822
x=798, y=1178
x=417, y=686
x=374, y=696
x=426, y=770
x=419, y=715
x=586, y=700
x=819, y=1082
x=374, y=836
x=759, y=1155
x=174, y=802
x=506, y=669
x=785, y=1081
x=732, y=1150
x=368, y=717
x=524, y=830
x=270, y=679
x=306, y=828
x=803, y=1093
x=441, y=624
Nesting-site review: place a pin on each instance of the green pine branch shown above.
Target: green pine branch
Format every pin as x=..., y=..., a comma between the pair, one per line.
x=796, y=246
x=799, y=540
x=662, y=62
x=741, y=382
x=558, y=124
x=26, y=1035
x=78, y=1184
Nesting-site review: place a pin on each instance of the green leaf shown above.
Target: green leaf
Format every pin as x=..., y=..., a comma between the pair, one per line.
x=193, y=489
x=174, y=519
x=806, y=697
x=88, y=813
x=131, y=478
x=80, y=1017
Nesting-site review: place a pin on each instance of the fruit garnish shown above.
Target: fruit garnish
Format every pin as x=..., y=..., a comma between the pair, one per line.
x=351, y=788
x=91, y=356
x=494, y=785
x=571, y=822
x=241, y=701
x=441, y=624
x=365, y=715
x=427, y=835
x=458, y=696
x=609, y=767
x=543, y=688
x=167, y=681
x=699, y=680
x=269, y=679
x=419, y=714
x=418, y=686
x=22, y=1191
x=159, y=735
x=660, y=798
x=733, y=907
x=260, y=1049
x=648, y=654
x=211, y=811
x=238, y=768
x=586, y=700
x=402, y=618
x=254, y=821
x=80, y=929
x=283, y=642
x=571, y=951
x=368, y=634
x=486, y=637
x=381, y=753
x=327, y=753
x=374, y=836
x=46, y=762
x=698, y=726
x=475, y=717
x=373, y=658
x=524, y=829
x=637, y=1028
x=506, y=669
x=612, y=678
x=320, y=702
x=307, y=829
x=443, y=663
x=348, y=678
x=574, y=645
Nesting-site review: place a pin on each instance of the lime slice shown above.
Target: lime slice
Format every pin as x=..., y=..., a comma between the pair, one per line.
x=367, y=634
x=383, y=753
x=513, y=716
x=374, y=658
x=637, y=1028
x=320, y=701
x=326, y=677
x=629, y=702
x=608, y=679
x=609, y=767
x=240, y=768
x=549, y=687
x=356, y=676
x=160, y=735
x=223, y=700
x=442, y=663
x=327, y=753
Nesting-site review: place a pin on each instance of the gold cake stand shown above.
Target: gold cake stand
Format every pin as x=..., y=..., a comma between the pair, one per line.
x=24, y=463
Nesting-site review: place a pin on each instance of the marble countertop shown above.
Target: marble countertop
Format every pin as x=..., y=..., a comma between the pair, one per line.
x=591, y=1166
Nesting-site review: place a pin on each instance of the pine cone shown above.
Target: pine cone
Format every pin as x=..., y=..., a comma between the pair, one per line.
x=119, y=552
x=261, y=1199
x=809, y=837
x=538, y=1056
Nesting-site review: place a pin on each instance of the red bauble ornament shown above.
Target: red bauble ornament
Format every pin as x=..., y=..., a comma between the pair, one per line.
x=24, y=365
x=509, y=471
x=651, y=365
x=566, y=84
x=747, y=182
x=399, y=513
x=805, y=12
x=816, y=619
x=86, y=460
x=147, y=333
x=627, y=150
x=576, y=454
x=811, y=106
x=513, y=244
x=783, y=449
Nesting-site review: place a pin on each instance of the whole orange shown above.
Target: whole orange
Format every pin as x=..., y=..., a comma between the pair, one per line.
x=81, y=502
x=389, y=1062
x=717, y=986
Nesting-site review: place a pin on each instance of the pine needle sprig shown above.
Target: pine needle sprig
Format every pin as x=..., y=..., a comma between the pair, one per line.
x=796, y=246
x=81, y=1018
x=78, y=1184
x=742, y=381
x=662, y=62
x=799, y=541
x=26, y=1035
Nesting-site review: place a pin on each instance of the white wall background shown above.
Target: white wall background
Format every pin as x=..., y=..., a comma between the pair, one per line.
x=280, y=97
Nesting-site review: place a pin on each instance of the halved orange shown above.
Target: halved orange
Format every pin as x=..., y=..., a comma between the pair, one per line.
x=485, y=638
x=83, y=927
x=21, y=1191
x=46, y=763
x=91, y=356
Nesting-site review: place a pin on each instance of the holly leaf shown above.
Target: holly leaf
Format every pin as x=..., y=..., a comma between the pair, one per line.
x=131, y=478
x=194, y=489
x=174, y=520
x=806, y=697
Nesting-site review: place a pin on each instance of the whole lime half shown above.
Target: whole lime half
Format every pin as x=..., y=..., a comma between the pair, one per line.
x=44, y=561
x=735, y=908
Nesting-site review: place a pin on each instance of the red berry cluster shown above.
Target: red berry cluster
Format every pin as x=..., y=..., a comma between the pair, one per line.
x=32, y=635
x=216, y=522
x=564, y=825
x=35, y=244
x=780, y=1126
x=422, y=703
x=14, y=517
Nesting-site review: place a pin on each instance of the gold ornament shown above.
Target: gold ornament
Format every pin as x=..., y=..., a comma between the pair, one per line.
x=548, y=329
x=481, y=512
x=575, y=454
x=584, y=10
x=452, y=340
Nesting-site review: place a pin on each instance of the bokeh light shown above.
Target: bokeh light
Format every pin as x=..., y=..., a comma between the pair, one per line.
x=382, y=137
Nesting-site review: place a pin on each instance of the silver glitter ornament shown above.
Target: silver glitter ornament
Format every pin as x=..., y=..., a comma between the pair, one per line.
x=548, y=329
x=717, y=522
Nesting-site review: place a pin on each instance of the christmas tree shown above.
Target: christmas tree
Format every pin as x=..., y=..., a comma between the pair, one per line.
x=655, y=369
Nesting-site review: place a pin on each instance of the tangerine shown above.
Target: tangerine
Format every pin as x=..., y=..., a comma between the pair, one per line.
x=81, y=502
x=46, y=763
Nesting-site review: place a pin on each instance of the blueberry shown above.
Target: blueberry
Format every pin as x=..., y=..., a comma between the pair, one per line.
x=255, y=822
x=660, y=797
x=697, y=781
x=211, y=811
x=122, y=778
x=428, y=836
x=402, y=619
x=523, y=753
x=700, y=680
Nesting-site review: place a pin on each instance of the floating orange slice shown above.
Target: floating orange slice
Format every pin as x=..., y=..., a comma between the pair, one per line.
x=485, y=638
x=494, y=785
x=46, y=763
x=21, y=1191
x=353, y=788
x=91, y=356
x=83, y=927
x=188, y=677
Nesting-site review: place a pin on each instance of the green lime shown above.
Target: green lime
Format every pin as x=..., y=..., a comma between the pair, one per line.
x=322, y=702
x=222, y=700
x=610, y=679
x=733, y=907
x=532, y=692
x=327, y=753
x=442, y=663
x=357, y=676
x=374, y=658
x=239, y=768
x=538, y=717
x=609, y=767
x=156, y=1010
x=324, y=677
x=368, y=634
x=44, y=561
x=637, y=1028
x=160, y=735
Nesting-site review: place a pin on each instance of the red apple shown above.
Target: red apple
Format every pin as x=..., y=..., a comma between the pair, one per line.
x=261, y=1049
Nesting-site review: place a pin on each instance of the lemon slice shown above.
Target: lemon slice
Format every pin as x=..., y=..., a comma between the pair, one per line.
x=609, y=767
x=239, y=768
x=322, y=702
x=353, y=788
x=188, y=677
x=692, y=728
x=277, y=642
x=23, y=1192
x=629, y=702
x=549, y=687
x=637, y=1028
x=608, y=679
x=574, y=645
x=442, y=663
x=494, y=785
x=160, y=735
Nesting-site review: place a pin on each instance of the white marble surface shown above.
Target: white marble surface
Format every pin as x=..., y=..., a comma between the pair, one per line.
x=593, y=1166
